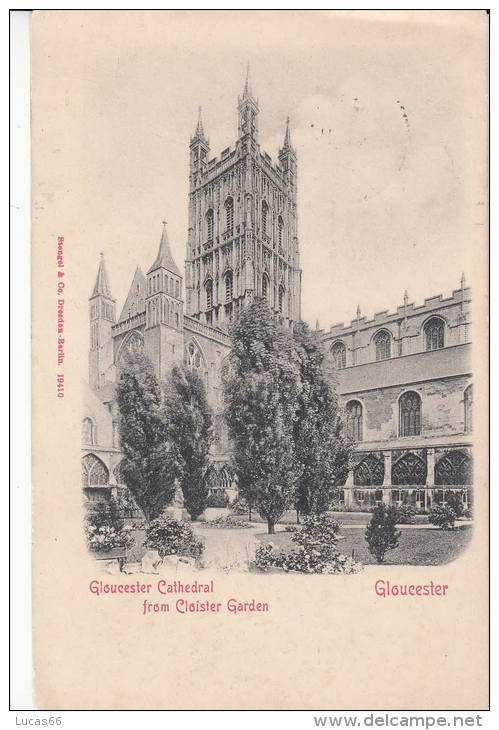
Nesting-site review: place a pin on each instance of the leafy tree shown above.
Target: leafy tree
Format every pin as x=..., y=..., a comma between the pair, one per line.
x=322, y=446
x=261, y=384
x=146, y=465
x=454, y=500
x=381, y=532
x=189, y=434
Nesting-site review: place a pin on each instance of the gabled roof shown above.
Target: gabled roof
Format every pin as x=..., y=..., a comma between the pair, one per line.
x=135, y=301
x=164, y=259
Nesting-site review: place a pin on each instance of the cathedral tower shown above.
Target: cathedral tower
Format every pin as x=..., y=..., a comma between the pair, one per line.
x=102, y=311
x=163, y=336
x=242, y=238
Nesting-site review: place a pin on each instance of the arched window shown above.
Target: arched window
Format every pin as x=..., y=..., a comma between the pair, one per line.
x=281, y=298
x=88, y=431
x=382, y=342
x=265, y=210
x=209, y=294
x=409, y=469
x=410, y=414
x=354, y=419
x=369, y=472
x=194, y=360
x=94, y=472
x=229, y=215
x=265, y=287
x=468, y=409
x=434, y=334
x=228, y=286
x=209, y=225
x=280, y=230
x=454, y=469
x=339, y=353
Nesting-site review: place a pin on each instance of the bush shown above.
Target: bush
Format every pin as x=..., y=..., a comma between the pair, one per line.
x=217, y=499
x=381, y=533
x=105, y=528
x=468, y=513
x=442, y=516
x=406, y=514
x=316, y=551
x=292, y=528
x=101, y=539
x=170, y=537
x=230, y=522
x=454, y=500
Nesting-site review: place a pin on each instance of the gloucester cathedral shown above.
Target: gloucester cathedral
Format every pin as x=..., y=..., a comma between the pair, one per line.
x=404, y=378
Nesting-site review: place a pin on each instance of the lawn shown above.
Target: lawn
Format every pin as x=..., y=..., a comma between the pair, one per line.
x=416, y=546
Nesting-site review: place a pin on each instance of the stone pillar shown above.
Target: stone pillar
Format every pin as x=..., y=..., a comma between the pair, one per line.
x=430, y=477
x=387, y=478
x=348, y=489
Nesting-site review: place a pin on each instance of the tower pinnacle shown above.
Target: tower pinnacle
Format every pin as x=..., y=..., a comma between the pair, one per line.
x=247, y=85
x=199, y=129
x=287, y=136
x=165, y=259
x=102, y=283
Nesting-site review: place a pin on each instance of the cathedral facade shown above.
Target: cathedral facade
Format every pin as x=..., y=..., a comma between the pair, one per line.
x=404, y=378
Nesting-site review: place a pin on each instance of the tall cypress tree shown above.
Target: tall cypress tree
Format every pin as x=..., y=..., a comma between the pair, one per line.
x=261, y=385
x=189, y=434
x=146, y=465
x=322, y=446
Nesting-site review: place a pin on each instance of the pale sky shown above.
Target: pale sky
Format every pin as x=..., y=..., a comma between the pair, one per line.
x=384, y=116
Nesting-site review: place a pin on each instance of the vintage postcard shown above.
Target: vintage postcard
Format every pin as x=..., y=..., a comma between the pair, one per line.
x=260, y=360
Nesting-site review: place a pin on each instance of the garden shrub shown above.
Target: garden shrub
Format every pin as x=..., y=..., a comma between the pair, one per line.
x=381, y=533
x=316, y=550
x=230, y=522
x=454, y=500
x=105, y=528
x=406, y=513
x=442, y=516
x=170, y=537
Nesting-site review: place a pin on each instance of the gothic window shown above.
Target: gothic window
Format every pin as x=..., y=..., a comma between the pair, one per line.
x=176, y=319
x=409, y=469
x=177, y=289
x=265, y=210
x=93, y=472
x=88, y=431
x=209, y=225
x=468, y=409
x=369, y=472
x=265, y=287
x=339, y=353
x=209, y=294
x=280, y=229
x=410, y=414
x=354, y=419
x=281, y=298
x=382, y=343
x=131, y=345
x=228, y=286
x=434, y=334
x=454, y=469
x=229, y=214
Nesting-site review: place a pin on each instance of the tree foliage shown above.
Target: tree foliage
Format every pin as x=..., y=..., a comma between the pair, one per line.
x=189, y=434
x=262, y=384
x=322, y=446
x=381, y=532
x=146, y=465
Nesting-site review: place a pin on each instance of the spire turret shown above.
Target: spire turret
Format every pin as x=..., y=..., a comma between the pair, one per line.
x=102, y=283
x=165, y=259
x=199, y=128
x=248, y=112
x=287, y=136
